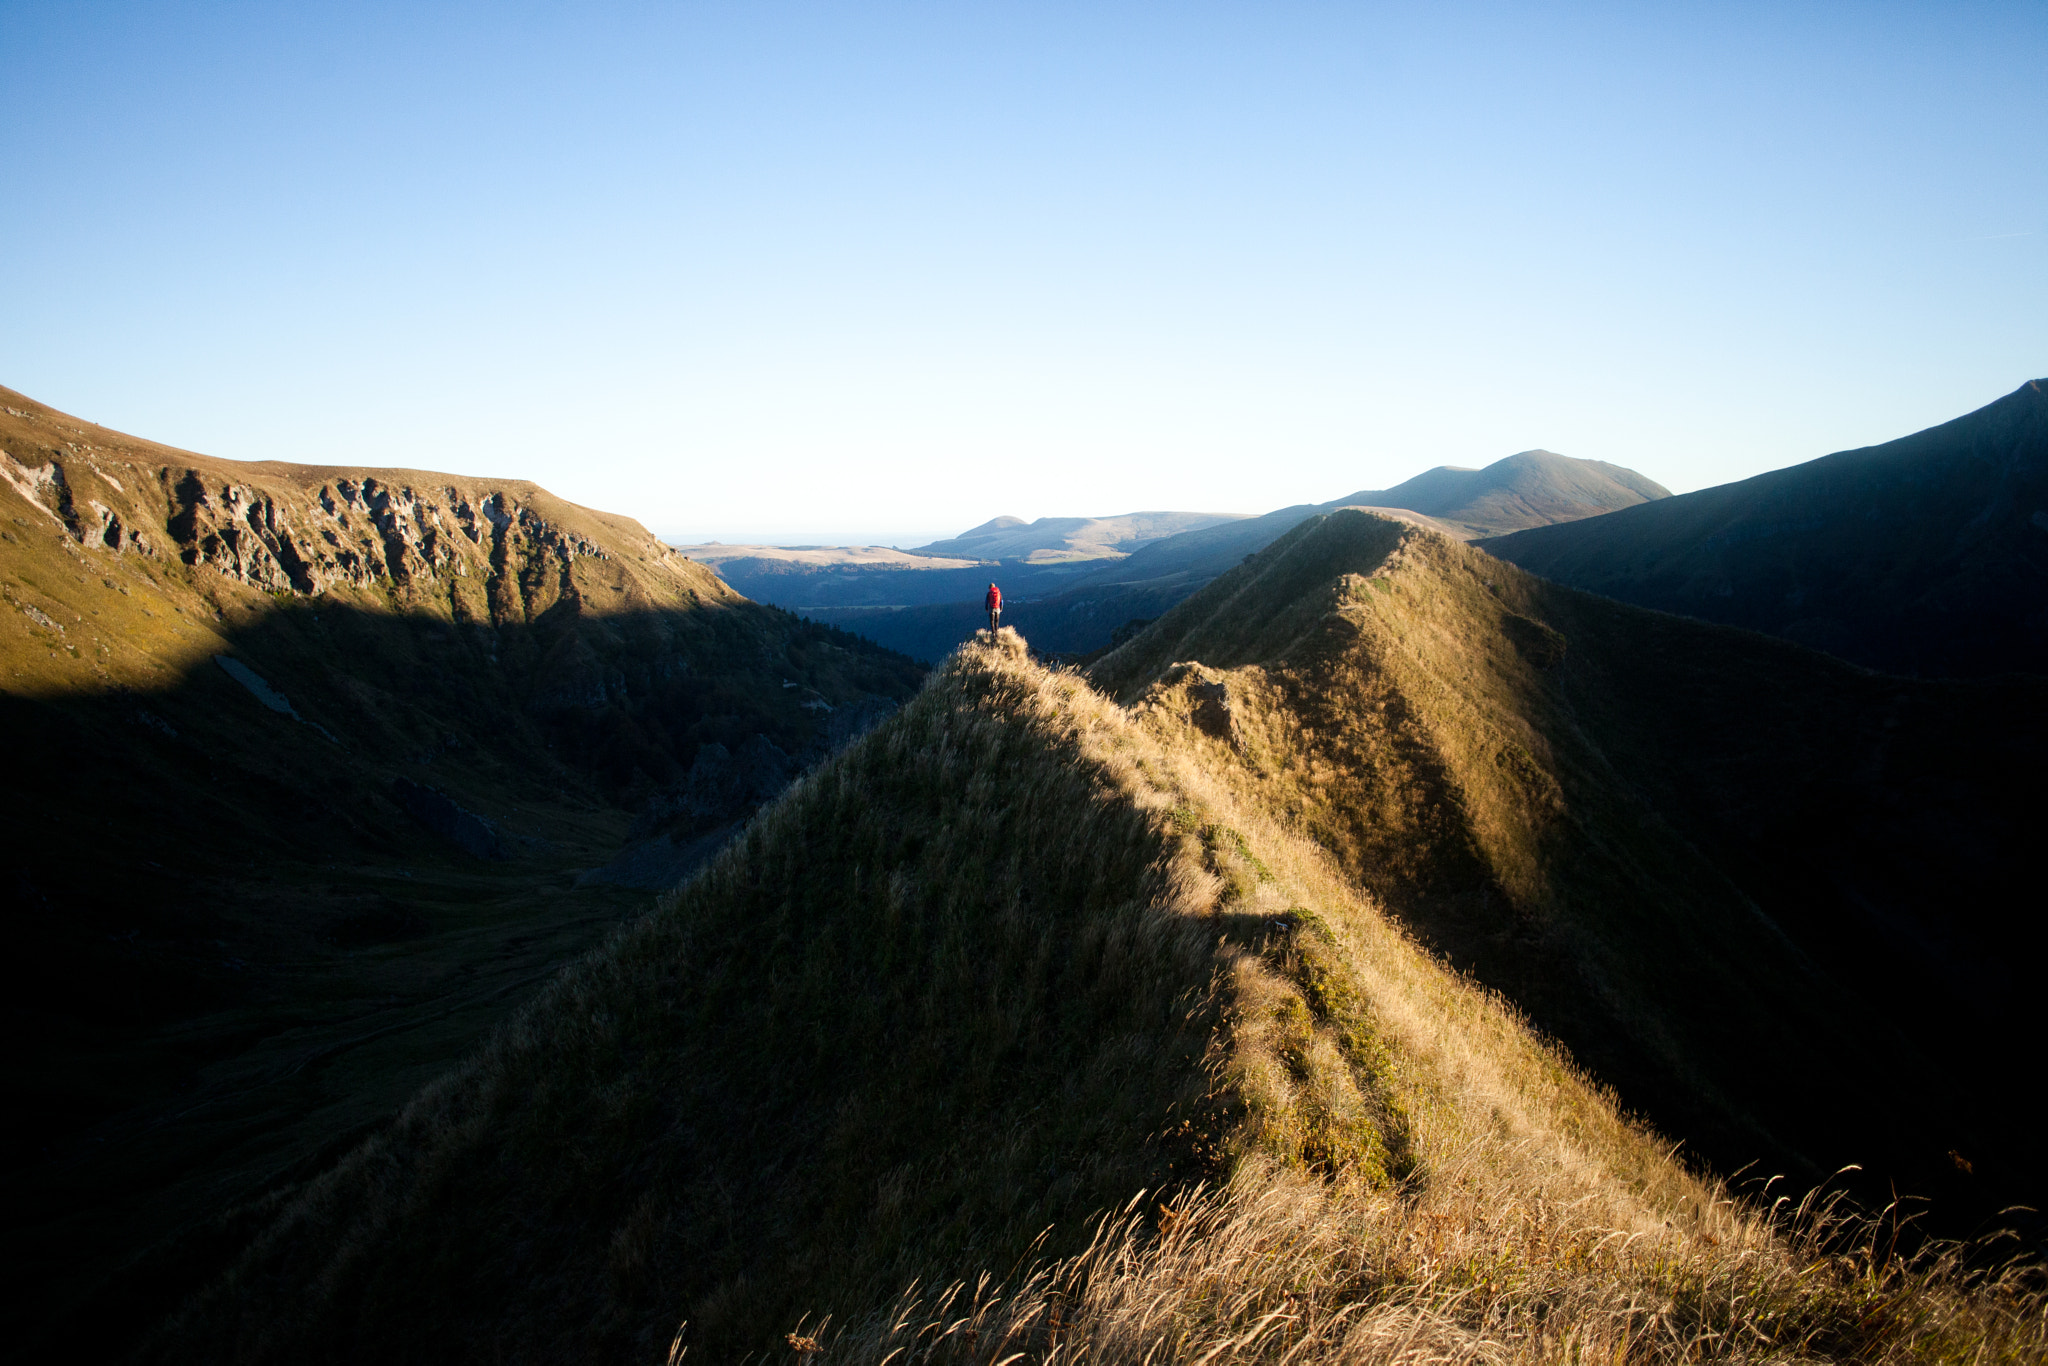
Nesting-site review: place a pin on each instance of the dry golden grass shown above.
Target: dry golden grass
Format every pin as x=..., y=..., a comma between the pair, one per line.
x=1761, y=892
x=1526, y=1220
x=1282, y=1269
x=1018, y=957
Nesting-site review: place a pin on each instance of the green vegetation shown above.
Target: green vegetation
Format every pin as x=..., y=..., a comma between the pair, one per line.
x=954, y=989
x=1210, y=1006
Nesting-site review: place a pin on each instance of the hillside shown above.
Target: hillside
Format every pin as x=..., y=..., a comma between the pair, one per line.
x=1033, y=1023
x=1078, y=616
x=1925, y=555
x=1770, y=897
x=316, y=774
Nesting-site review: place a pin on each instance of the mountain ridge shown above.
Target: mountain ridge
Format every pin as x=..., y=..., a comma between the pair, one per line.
x=1514, y=767
x=1052, y=540
x=1926, y=554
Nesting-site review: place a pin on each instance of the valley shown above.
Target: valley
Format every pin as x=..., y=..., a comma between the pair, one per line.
x=315, y=776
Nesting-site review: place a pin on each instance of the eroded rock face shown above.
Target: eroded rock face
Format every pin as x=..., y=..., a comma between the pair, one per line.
x=356, y=532
x=309, y=531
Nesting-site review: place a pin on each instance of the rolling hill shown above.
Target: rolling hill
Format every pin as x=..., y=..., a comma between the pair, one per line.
x=1177, y=1012
x=1925, y=555
x=315, y=774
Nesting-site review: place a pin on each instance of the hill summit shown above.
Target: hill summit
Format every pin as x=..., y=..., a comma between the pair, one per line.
x=1530, y=488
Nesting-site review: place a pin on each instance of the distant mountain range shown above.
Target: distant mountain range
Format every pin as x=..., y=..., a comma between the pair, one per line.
x=1075, y=607
x=1925, y=555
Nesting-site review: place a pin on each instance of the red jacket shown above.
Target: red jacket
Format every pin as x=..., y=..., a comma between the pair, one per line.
x=994, y=601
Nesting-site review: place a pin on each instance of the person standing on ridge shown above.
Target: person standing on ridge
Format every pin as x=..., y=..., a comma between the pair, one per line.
x=994, y=605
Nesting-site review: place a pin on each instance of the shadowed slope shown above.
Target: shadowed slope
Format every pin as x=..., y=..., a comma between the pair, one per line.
x=1925, y=555
x=944, y=995
x=1001, y=965
x=1766, y=895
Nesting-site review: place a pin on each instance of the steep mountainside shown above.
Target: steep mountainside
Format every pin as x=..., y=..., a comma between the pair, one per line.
x=1079, y=616
x=314, y=774
x=1773, y=899
x=1925, y=555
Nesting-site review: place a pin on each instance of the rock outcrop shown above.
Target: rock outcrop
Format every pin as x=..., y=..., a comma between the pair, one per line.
x=308, y=530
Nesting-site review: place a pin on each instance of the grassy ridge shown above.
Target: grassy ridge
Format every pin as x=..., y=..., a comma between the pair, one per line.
x=945, y=995
x=1012, y=959
x=1753, y=887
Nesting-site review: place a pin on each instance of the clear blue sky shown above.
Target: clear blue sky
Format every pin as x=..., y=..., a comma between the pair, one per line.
x=896, y=268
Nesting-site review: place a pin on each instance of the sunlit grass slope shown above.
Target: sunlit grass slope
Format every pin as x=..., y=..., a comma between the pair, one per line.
x=1011, y=960
x=1767, y=895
